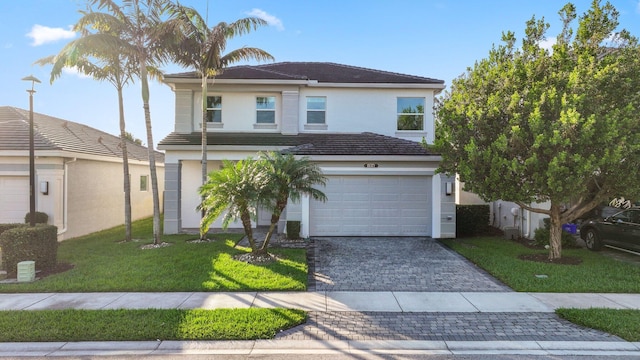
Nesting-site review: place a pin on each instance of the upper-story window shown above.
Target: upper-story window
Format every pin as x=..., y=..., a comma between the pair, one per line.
x=214, y=109
x=316, y=109
x=266, y=109
x=410, y=113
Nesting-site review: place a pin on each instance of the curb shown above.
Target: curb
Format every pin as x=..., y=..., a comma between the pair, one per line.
x=270, y=347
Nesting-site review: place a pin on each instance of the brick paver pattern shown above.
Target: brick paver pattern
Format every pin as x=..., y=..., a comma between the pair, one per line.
x=395, y=264
x=441, y=327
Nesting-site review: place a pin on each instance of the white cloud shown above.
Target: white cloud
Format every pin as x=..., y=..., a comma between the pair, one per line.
x=270, y=19
x=43, y=34
x=74, y=71
x=638, y=7
x=547, y=44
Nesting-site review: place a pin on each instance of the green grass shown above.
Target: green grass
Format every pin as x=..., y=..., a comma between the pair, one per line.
x=622, y=323
x=104, y=264
x=151, y=324
x=596, y=273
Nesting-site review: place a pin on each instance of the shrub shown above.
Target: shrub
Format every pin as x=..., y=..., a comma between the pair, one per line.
x=40, y=218
x=472, y=220
x=293, y=229
x=23, y=243
x=542, y=235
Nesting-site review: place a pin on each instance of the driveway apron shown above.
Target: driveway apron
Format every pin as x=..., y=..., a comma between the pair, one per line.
x=394, y=264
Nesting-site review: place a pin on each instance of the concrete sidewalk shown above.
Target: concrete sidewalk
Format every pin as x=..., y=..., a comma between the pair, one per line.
x=384, y=301
x=498, y=305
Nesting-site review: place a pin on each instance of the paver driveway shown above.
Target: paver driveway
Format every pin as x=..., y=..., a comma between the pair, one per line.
x=394, y=264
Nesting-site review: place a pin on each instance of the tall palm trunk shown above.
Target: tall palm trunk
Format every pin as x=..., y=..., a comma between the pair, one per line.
x=203, y=140
x=125, y=169
x=151, y=151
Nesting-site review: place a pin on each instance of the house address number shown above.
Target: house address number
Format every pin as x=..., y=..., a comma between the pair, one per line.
x=370, y=165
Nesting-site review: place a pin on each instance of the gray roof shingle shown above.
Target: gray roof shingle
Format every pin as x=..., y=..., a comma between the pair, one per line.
x=323, y=72
x=52, y=133
x=307, y=143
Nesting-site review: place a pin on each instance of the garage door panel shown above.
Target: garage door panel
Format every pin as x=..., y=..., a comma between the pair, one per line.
x=14, y=198
x=373, y=206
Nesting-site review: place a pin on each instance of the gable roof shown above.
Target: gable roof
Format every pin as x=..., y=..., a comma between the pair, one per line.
x=322, y=72
x=307, y=143
x=50, y=133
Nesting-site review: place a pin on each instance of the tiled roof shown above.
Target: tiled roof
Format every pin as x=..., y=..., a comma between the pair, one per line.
x=323, y=72
x=307, y=143
x=52, y=133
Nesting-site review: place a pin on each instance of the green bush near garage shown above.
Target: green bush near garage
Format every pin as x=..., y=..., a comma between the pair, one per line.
x=472, y=220
x=26, y=243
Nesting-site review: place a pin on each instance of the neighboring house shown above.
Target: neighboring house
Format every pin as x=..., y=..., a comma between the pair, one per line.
x=79, y=181
x=362, y=126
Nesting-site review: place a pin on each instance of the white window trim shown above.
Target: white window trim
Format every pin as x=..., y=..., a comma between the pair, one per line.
x=316, y=126
x=412, y=132
x=212, y=124
x=272, y=125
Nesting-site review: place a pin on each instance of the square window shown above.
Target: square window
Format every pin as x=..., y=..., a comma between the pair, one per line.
x=144, y=182
x=316, y=110
x=410, y=113
x=266, y=109
x=214, y=109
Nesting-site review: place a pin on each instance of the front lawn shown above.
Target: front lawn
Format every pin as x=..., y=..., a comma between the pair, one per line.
x=596, y=273
x=622, y=323
x=103, y=264
x=150, y=324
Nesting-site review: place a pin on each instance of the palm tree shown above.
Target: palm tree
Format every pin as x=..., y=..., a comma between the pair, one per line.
x=236, y=189
x=201, y=48
x=288, y=178
x=110, y=66
x=143, y=40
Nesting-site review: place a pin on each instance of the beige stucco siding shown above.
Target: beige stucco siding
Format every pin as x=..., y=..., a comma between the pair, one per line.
x=96, y=196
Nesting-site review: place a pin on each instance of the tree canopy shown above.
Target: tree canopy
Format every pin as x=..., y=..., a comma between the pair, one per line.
x=561, y=125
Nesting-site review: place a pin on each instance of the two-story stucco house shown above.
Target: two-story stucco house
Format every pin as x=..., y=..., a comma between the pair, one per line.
x=362, y=126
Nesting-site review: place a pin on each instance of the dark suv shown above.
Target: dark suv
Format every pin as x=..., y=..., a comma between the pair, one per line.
x=621, y=230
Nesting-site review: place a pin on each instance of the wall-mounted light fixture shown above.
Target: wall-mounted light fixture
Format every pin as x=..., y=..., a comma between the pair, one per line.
x=44, y=187
x=448, y=188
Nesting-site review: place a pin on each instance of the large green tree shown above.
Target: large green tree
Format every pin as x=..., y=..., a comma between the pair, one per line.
x=528, y=125
x=146, y=32
x=202, y=48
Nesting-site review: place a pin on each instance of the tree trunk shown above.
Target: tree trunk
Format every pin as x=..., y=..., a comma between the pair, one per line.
x=203, y=140
x=152, y=155
x=555, y=238
x=248, y=230
x=125, y=170
x=275, y=217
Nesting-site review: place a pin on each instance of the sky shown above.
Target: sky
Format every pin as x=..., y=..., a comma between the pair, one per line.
x=431, y=38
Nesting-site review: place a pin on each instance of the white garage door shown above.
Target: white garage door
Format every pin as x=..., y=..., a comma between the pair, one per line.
x=373, y=206
x=14, y=199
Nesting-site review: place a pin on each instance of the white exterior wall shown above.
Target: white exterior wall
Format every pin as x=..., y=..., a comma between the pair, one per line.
x=508, y=214
x=348, y=110
x=368, y=110
x=238, y=111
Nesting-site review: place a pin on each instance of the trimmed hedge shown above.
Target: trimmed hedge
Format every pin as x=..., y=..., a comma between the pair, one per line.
x=23, y=243
x=41, y=218
x=293, y=229
x=472, y=220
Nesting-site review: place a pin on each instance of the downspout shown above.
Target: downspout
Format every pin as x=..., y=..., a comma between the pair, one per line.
x=65, y=192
